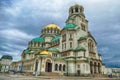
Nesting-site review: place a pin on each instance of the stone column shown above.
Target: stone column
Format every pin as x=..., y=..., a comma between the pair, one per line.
x=92, y=69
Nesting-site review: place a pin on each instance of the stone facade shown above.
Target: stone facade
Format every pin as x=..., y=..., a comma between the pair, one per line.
x=71, y=50
x=5, y=64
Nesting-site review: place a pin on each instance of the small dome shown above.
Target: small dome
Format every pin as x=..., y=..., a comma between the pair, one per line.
x=7, y=57
x=80, y=48
x=83, y=38
x=76, y=5
x=45, y=53
x=27, y=51
x=38, y=39
x=55, y=38
x=54, y=26
x=53, y=50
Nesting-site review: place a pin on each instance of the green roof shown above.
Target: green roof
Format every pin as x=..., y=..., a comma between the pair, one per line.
x=53, y=50
x=6, y=57
x=27, y=51
x=55, y=38
x=69, y=49
x=38, y=39
x=88, y=59
x=70, y=25
x=83, y=37
x=80, y=49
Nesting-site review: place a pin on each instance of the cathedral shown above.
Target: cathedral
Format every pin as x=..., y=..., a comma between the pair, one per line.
x=71, y=50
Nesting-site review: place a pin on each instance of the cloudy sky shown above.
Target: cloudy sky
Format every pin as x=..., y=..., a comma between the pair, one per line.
x=22, y=20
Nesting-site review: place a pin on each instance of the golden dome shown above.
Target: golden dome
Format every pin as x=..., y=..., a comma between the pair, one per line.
x=45, y=53
x=54, y=26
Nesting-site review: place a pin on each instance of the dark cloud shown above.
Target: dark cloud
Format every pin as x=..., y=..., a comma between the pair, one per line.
x=28, y=17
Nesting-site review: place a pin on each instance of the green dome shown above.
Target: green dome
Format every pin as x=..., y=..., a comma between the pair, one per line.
x=27, y=51
x=55, y=38
x=70, y=25
x=38, y=39
x=80, y=49
x=83, y=37
x=6, y=57
x=53, y=50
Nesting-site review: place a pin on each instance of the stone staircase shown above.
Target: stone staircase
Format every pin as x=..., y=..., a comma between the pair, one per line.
x=99, y=75
x=50, y=74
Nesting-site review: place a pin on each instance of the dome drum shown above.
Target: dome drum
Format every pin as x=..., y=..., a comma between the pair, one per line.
x=51, y=29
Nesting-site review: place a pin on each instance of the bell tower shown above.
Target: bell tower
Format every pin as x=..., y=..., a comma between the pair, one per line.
x=77, y=17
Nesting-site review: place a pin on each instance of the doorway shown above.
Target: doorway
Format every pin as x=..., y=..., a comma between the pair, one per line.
x=78, y=72
x=48, y=66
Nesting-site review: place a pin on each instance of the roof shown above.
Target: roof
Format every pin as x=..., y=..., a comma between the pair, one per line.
x=27, y=51
x=54, y=26
x=7, y=57
x=70, y=25
x=89, y=35
x=82, y=38
x=53, y=50
x=38, y=39
x=80, y=48
x=76, y=5
x=55, y=38
x=45, y=53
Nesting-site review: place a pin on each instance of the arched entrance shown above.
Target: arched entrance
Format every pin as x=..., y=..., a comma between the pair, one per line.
x=99, y=68
x=95, y=66
x=48, y=66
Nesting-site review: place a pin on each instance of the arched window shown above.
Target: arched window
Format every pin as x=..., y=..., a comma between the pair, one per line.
x=54, y=31
x=78, y=66
x=31, y=44
x=91, y=46
x=47, y=30
x=70, y=44
x=70, y=37
x=34, y=44
x=76, y=9
x=57, y=31
x=56, y=67
x=60, y=67
x=99, y=70
x=63, y=67
x=91, y=64
x=51, y=30
x=65, y=45
x=83, y=27
x=71, y=10
x=95, y=66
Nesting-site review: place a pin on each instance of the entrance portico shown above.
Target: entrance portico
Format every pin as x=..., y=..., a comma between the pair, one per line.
x=48, y=67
